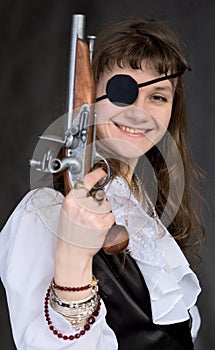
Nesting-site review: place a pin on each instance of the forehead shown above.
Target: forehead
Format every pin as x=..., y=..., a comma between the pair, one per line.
x=140, y=75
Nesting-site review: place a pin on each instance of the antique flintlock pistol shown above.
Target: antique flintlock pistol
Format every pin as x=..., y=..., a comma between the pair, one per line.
x=78, y=154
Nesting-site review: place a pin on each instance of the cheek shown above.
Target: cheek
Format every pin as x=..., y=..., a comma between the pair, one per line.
x=165, y=121
x=104, y=129
x=101, y=130
x=102, y=122
x=105, y=111
x=161, y=121
x=164, y=118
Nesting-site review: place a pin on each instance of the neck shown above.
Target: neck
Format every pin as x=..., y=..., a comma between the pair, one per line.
x=132, y=164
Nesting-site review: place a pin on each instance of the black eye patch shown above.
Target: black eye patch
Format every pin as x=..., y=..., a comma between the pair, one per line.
x=123, y=90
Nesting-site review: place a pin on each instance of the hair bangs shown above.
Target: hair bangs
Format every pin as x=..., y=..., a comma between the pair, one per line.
x=139, y=52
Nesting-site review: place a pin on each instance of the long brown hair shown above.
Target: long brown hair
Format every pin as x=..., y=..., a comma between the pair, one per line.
x=130, y=42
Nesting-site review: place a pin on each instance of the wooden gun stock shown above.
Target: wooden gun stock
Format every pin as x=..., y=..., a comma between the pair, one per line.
x=84, y=93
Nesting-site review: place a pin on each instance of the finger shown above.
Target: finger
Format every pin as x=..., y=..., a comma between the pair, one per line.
x=93, y=177
x=91, y=205
x=88, y=182
x=99, y=196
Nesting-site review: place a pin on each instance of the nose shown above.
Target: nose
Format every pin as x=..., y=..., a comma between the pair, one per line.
x=141, y=111
x=141, y=104
x=138, y=116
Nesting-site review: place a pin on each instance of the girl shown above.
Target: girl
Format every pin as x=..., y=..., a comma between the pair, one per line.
x=146, y=293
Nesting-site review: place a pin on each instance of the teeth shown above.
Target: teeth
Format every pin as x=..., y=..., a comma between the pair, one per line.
x=132, y=131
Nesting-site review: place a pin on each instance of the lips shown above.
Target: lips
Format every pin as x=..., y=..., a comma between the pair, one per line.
x=131, y=130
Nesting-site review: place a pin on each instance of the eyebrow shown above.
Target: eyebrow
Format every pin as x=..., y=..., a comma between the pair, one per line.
x=164, y=88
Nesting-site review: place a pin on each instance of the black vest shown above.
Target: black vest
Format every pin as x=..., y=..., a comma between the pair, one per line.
x=127, y=300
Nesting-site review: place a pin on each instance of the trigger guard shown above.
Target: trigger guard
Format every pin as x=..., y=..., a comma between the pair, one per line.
x=106, y=179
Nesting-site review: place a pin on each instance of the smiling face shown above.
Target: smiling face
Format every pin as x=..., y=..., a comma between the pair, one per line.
x=132, y=130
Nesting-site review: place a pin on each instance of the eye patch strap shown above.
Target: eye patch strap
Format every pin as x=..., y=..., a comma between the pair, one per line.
x=166, y=77
x=150, y=82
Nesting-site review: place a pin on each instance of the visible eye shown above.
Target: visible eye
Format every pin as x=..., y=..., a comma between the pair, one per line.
x=159, y=98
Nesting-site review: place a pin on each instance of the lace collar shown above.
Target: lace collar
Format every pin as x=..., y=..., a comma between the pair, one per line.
x=172, y=285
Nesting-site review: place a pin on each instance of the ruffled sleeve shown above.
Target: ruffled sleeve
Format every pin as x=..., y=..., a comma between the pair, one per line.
x=27, y=246
x=177, y=283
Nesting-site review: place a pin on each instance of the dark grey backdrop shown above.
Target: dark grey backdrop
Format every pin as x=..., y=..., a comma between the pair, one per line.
x=33, y=70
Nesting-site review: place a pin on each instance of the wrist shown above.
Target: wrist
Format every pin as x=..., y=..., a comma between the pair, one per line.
x=69, y=255
x=73, y=267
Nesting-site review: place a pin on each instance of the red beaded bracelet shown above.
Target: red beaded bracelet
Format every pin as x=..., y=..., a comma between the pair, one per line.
x=75, y=289
x=77, y=335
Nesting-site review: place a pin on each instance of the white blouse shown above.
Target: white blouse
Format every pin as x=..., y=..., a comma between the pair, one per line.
x=27, y=245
